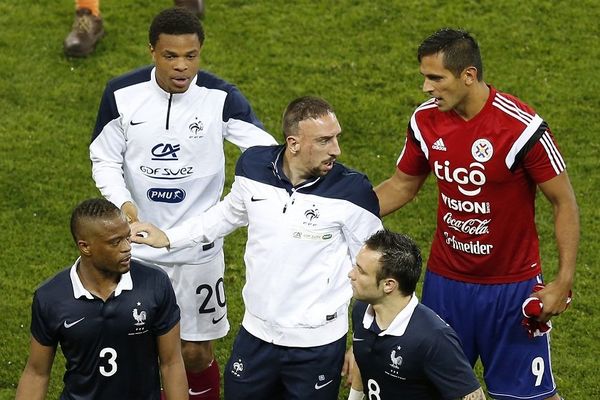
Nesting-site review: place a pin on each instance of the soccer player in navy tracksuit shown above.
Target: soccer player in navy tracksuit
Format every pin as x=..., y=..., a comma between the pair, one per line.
x=117, y=322
x=403, y=349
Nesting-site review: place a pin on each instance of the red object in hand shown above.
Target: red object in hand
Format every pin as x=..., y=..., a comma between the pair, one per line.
x=532, y=308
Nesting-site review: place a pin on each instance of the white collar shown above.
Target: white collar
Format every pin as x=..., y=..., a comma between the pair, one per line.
x=400, y=322
x=125, y=283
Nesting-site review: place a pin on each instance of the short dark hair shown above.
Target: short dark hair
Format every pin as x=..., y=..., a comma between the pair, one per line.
x=175, y=21
x=460, y=50
x=400, y=259
x=303, y=108
x=99, y=208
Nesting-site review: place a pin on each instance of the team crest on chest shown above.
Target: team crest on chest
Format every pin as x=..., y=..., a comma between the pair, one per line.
x=312, y=214
x=196, y=129
x=139, y=318
x=482, y=150
x=396, y=362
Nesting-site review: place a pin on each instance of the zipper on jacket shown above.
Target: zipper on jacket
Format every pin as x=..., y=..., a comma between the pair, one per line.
x=169, y=110
x=292, y=198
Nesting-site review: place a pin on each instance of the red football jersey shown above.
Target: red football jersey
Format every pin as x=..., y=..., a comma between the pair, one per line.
x=487, y=170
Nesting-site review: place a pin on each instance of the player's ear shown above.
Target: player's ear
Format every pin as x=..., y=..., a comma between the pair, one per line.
x=292, y=143
x=151, y=48
x=470, y=75
x=84, y=248
x=389, y=285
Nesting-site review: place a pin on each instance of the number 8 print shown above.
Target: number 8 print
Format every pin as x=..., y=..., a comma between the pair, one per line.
x=374, y=389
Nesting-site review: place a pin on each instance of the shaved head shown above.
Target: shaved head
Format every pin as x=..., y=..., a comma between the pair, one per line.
x=85, y=217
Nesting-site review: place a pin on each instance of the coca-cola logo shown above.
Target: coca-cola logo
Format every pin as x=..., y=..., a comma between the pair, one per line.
x=472, y=226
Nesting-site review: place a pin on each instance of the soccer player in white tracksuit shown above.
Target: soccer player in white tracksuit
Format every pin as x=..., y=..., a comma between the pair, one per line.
x=157, y=153
x=307, y=218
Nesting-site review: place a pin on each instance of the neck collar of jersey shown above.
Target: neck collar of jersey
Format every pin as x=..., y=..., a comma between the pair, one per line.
x=277, y=166
x=165, y=93
x=400, y=322
x=125, y=283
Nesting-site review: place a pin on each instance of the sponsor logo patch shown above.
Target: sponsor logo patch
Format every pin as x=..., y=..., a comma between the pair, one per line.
x=439, y=145
x=70, y=324
x=167, y=173
x=165, y=152
x=471, y=226
x=321, y=383
x=166, y=195
x=471, y=247
x=479, y=207
x=466, y=178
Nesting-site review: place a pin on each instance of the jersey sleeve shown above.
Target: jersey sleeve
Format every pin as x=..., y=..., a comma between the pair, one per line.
x=544, y=160
x=412, y=160
x=168, y=313
x=362, y=221
x=446, y=365
x=107, y=152
x=40, y=329
x=218, y=221
x=242, y=127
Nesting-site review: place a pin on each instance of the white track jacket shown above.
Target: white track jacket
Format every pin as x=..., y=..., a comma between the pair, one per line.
x=164, y=152
x=302, y=242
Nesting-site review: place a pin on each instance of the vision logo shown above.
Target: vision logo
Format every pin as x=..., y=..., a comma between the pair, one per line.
x=166, y=195
x=165, y=152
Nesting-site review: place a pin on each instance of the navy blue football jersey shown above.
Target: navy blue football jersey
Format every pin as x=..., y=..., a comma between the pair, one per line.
x=417, y=357
x=110, y=347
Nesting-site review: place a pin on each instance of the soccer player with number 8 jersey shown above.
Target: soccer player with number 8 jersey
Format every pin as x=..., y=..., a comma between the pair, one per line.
x=403, y=350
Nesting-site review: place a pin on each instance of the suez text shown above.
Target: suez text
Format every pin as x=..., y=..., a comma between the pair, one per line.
x=172, y=173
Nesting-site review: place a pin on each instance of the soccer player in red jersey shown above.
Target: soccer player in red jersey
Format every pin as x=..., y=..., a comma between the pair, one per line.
x=489, y=153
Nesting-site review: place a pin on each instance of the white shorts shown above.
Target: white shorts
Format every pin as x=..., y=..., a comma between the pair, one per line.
x=200, y=293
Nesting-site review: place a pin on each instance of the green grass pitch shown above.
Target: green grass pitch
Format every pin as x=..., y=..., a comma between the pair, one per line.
x=360, y=55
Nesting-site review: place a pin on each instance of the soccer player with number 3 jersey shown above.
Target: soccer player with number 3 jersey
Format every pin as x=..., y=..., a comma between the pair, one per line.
x=489, y=153
x=116, y=321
